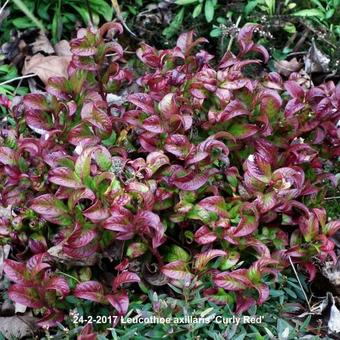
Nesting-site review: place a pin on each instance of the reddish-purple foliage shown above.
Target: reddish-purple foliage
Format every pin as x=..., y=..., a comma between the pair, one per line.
x=201, y=154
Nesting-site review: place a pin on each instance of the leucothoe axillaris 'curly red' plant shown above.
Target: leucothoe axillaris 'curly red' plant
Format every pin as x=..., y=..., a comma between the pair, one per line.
x=214, y=176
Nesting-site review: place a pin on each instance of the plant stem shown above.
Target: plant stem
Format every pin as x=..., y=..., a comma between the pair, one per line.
x=18, y=78
x=297, y=276
x=232, y=38
x=68, y=275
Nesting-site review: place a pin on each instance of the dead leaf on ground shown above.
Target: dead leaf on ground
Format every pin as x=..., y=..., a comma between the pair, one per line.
x=15, y=327
x=58, y=254
x=62, y=48
x=46, y=67
x=332, y=273
x=286, y=67
x=316, y=61
x=42, y=44
x=334, y=319
x=19, y=308
x=4, y=251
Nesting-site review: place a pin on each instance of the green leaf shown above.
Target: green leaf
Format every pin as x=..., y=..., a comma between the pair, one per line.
x=283, y=329
x=186, y=2
x=111, y=140
x=57, y=24
x=103, y=8
x=198, y=213
x=276, y=293
x=290, y=293
x=175, y=25
x=176, y=253
x=197, y=11
x=216, y=32
x=209, y=10
x=241, y=131
x=22, y=23
x=20, y=4
x=251, y=5
x=319, y=4
x=289, y=27
x=313, y=12
x=330, y=13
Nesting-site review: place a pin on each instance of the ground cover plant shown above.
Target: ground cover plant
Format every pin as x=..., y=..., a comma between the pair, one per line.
x=190, y=176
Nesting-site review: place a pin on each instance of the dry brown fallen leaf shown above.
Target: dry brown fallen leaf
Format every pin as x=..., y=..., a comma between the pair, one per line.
x=46, y=67
x=316, y=61
x=17, y=327
x=42, y=44
x=286, y=67
x=4, y=251
x=62, y=48
x=58, y=255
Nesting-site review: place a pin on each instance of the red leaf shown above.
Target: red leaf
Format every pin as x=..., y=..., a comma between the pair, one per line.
x=309, y=227
x=90, y=290
x=120, y=301
x=201, y=260
x=249, y=220
x=186, y=42
x=263, y=291
x=58, y=284
x=96, y=114
x=148, y=219
x=51, y=318
x=215, y=204
x=64, y=177
x=52, y=209
x=81, y=252
x=16, y=271
x=178, y=145
x=143, y=101
x=156, y=160
x=96, y=212
x=80, y=238
x=36, y=101
x=25, y=295
x=234, y=281
x=294, y=89
x=189, y=181
x=7, y=156
x=177, y=271
x=87, y=333
x=121, y=221
x=331, y=228
x=125, y=277
x=311, y=270
x=243, y=303
x=204, y=236
x=168, y=105
x=153, y=124
x=246, y=43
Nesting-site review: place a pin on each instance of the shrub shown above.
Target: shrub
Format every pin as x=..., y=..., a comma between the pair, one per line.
x=196, y=171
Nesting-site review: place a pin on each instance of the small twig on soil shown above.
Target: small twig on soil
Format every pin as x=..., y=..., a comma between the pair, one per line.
x=317, y=34
x=90, y=11
x=301, y=40
x=293, y=54
x=332, y=198
x=16, y=89
x=68, y=275
x=18, y=78
x=232, y=38
x=116, y=7
x=291, y=40
x=3, y=6
x=297, y=276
